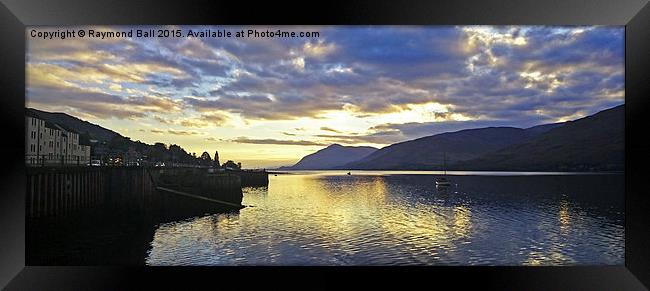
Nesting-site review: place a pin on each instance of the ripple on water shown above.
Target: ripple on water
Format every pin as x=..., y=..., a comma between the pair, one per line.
x=317, y=219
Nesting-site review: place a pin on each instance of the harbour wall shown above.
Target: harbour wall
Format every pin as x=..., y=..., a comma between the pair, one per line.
x=129, y=190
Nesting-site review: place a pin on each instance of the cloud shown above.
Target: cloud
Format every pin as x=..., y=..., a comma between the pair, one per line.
x=162, y=120
x=277, y=142
x=182, y=132
x=329, y=129
x=414, y=130
x=174, y=132
x=205, y=120
x=516, y=75
x=318, y=49
x=267, y=107
x=380, y=137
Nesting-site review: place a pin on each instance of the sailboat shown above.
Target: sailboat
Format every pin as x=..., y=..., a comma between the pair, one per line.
x=443, y=181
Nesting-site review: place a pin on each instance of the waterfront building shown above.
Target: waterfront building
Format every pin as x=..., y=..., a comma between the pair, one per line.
x=47, y=143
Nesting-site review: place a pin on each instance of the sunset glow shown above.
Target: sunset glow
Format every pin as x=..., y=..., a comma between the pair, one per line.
x=267, y=102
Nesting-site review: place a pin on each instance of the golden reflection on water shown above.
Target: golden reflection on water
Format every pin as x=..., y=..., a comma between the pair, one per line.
x=335, y=215
x=554, y=253
x=345, y=209
x=564, y=216
x=341, y=219
x=462, y=221
x=329, y=209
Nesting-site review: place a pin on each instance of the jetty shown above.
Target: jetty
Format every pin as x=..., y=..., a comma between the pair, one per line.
x=155, y=192
x=82, y=215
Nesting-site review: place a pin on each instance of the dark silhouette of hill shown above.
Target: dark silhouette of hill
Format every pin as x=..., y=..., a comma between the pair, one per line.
x=331, y=157
x=428, y=152
x=80, y=126
x=593, y=143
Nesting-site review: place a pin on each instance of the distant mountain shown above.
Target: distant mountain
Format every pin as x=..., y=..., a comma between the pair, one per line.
x=428, y=152
x=593, y=143
x=80, y=126
x=331, y=157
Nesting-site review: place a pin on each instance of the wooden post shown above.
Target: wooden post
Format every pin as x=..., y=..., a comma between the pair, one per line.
x=38, y=195
x=79, y=176
x=84, y=193
x=77, y=185
x=50, y=192
x=96, y=188
x=55, y=190
x=92, y=188
x=68, y=190
x=31, y=196
x=46, y=191
x=79, y=190
x=75, y=200
x=62, y=192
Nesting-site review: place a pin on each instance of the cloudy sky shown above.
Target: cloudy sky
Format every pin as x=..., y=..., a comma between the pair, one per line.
x=269, y=101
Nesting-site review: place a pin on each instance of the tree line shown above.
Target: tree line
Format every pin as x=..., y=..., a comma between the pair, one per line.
x=160, y=152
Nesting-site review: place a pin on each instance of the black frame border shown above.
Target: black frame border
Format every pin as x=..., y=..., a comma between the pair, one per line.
x=634, y=14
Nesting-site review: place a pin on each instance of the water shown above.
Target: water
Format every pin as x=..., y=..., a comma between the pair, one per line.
x=400, y=218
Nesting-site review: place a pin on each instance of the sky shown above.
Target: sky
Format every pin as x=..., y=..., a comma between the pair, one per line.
x=269, y=101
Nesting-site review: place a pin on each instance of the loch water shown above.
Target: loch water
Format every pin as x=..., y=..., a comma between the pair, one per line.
x=402, y=218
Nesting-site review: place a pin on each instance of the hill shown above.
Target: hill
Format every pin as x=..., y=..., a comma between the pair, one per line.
x=428, y=152
x=331, y=157
x=593, y=143
x=75, y=124
x=105, y=143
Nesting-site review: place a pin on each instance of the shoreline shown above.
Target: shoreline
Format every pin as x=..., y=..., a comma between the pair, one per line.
x=449, y=173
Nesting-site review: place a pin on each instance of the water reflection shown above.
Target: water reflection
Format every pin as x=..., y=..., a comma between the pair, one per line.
x=564, y=216
x=321, y=218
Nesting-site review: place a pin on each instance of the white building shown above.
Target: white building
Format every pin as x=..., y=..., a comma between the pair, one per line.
x=47, y=143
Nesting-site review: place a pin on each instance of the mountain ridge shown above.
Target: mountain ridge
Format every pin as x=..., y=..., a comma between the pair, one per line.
x=591, y=143
x=331, y=156
x=427, y=152
x=77, y=124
